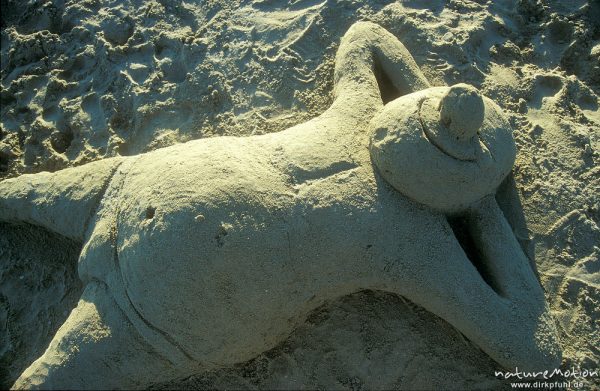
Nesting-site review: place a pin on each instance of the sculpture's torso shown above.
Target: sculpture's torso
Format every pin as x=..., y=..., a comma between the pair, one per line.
x=211, y=250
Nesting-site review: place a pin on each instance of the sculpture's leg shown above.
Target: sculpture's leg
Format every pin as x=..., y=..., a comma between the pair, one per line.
x=508, y=318
x=96, y=348
x=62, y=202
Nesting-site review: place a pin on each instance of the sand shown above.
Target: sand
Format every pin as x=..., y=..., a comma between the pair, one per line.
x=124, y=78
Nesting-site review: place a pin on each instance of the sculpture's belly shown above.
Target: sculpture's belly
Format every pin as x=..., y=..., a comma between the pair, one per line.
x=209, y=276
x=227, y=265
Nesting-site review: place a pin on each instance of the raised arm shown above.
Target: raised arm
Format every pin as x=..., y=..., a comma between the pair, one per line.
x=366, y=50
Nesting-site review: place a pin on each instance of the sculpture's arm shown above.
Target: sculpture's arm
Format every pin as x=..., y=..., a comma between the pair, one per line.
x=505, y=314
x=505, y=260
x=526, y=330
x=366, y=49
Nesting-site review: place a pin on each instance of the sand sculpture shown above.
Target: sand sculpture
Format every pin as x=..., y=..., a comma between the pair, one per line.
x=208, y=253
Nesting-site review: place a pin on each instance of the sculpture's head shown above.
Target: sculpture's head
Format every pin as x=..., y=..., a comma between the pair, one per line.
x=445, y=147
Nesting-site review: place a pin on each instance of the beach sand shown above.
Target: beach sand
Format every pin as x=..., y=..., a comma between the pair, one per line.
x=87, y=80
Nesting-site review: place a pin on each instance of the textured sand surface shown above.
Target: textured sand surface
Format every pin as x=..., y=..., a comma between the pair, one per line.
x=86, y=80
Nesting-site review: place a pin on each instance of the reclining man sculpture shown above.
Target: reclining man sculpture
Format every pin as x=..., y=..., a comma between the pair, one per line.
x=208, y=253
